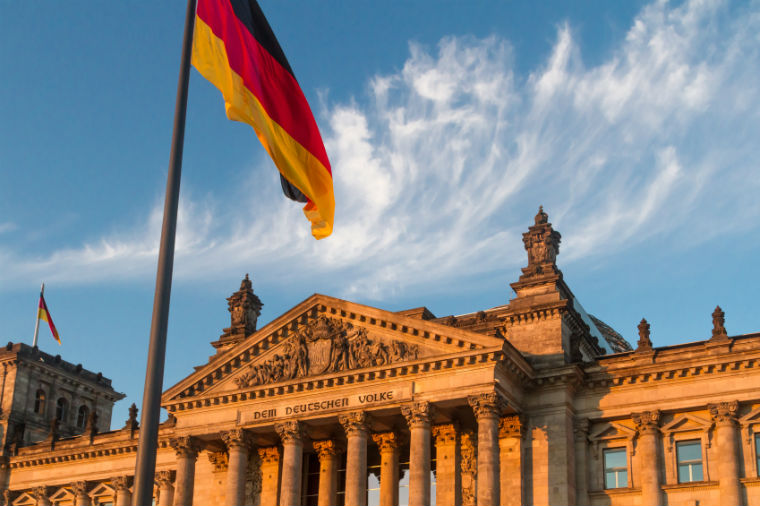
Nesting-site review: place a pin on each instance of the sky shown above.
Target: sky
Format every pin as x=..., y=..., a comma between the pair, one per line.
x=447, y=123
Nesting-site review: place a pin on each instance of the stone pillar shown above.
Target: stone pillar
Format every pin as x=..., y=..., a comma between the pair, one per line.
x=580, y=438
x=270, y=475
x=726, y=434
x=511, y=432
x=291, y=435
x=187, y=453
x=5, y=469
x=487, y=409
x=165, y=483
x=418, y=417
x=328, y=452
x=356, y=427
x=647, y=425
x=123, y=494
x=237, y=442
x=388, y=443
x=448, y=486
x=82, y=498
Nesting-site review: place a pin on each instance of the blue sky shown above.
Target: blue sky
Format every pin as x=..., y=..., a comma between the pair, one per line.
x=447, y=123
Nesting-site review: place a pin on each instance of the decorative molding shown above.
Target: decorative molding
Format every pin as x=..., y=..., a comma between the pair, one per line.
x=488, y=405
x=290, y=432
x=164, y=478
x=445, y=434
x=647, y=422
x=511, y=426
x=417, y=414
x=724, y=412
x=328, y=448
x=121, y=483
x=236, y=438
x=80, y=488
x=387, y=441
x=220, y=460
x=354, y=423
x=185, y=446
x=269, y=454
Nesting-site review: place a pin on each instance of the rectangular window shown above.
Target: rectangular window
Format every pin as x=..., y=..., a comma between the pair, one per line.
x=615, y=468
x=757, y=453
x=310, y=487
x=689, y=455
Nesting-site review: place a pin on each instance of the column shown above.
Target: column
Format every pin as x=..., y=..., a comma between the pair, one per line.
x=580, y=438
x=388, y=443
x=487, y=409
x=647, y=425
x=187, y=453
x=291, y=435
x=5, y=468
x=123, y=494
x=165, y=483
x=356, y=427
x=237, y=442
x=448, y=488
x=724, y=416
x=418, y=417
x=82, y=498
x=328, y=452
x=270, y=475
x=41, y=494
x=511, y=432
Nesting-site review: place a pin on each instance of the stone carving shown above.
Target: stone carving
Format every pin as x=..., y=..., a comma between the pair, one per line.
x=41, y=494
x=220, y=460
x=289, y=432
x=719, y=324
x=542, y=244
x=328, y=448
x=354, y=423
x=580, y=430
x=511, y=426
x=445, y=434
x=486, y=405
x=185, y=446
x=121, y=483
x=245, y=308
x=469, y=467
x=326, y=345
x=131, y=422
x=644, y=344
x=236, y=437
x=164, y=478
x=269, y=454
x=253, y=481
x=724, y=412
x=80, y=489
x=387, y=441
x=647, y=421
x=417, y=414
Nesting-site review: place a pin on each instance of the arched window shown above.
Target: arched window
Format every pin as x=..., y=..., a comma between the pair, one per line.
x=61, y=409
x=39, y=402
x=82, y=416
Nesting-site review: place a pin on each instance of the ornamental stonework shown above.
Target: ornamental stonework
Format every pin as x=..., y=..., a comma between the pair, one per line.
x=511, y=426
x=387, y=441
x=469, y=467
x=184, y=446
x=724, y=412
x=445, y=434
x=326, y=345
x=219, y=460
x=647, y=421
x=328, y=448
x=486, y=405
x=417, y=414
x=236, y=438
x=269, y=454
x=289, y=432
x=354, y=423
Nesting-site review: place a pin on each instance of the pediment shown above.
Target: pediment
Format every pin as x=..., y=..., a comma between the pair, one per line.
x=686, y=423
x=25, y=499
x=610, y=431
x=324, y=336
x=63, y=494
x=751, y=418
x=103, y=489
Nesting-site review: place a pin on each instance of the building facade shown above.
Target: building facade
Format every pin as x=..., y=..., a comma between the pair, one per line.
x=534, y=402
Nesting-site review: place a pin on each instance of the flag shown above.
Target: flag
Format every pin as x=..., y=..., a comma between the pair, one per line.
x=236, y=50
x=44, y=314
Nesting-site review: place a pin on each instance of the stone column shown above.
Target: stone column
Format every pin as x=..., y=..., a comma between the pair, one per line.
x=487, y=409
x=511, y=432
x=291, y=434
x=328, y=452
x=165, y=483
x=82, y=498
x=123, y=494
x=418, y=417
x=388, y=443
x=647, y=425
x=448, y=486
x=726, y=434
x=187, y=453
x=356, y=427
x=5, y=469
x=237, y=442
x=580, y=438
x=270, y=475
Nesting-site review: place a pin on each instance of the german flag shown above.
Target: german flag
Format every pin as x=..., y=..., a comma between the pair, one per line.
x=44, y=314
x=235, y=48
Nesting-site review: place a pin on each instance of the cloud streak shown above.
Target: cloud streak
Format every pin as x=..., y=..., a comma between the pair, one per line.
x=440, y=166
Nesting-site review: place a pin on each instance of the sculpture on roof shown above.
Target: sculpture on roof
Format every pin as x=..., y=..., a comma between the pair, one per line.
x=244, y=307
x=542, y=244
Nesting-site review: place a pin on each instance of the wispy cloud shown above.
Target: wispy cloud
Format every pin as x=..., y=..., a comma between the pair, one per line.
x=440, y=166
x=7, y=227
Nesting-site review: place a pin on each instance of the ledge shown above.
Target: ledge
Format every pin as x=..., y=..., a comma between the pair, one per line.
x=614, y=491
x=692, y=485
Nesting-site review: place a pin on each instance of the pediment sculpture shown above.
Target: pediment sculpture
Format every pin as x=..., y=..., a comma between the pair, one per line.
x=324, y=346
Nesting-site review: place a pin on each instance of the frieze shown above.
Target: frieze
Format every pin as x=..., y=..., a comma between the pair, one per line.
x=326, y=345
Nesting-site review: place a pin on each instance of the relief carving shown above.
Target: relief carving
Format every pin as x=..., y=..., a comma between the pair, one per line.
x=386, y=441
x=184, y=446
x=354, y=423
x=289, y=432
x=417, y=413
x=236, y=438
x=445, y=434
x=469, y=469
x=269, y=455
x=486, y=405
x=326, y=345
x=253, y=481
x=327, y=448
x=121, y=483
x=724, y=412
x=511, y=426
x=220, y=460
x=164, y=478
x=647, y=421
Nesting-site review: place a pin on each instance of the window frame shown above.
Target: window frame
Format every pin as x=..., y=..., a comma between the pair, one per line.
x=616, y=470
x=40, y=401
x=690, y=463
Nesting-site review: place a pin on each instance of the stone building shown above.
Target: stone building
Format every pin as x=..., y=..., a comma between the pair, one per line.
x=533, y=402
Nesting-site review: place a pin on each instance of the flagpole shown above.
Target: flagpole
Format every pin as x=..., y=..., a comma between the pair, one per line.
x=145, y=465
x=37, y=320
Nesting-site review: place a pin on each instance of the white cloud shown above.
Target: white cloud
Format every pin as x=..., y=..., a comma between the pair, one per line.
x=441, y=166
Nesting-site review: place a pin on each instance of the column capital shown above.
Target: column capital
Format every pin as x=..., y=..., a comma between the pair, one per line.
x=418, y=413
x=328, y=448
x=647, y=422
x=269, y=454
x=236, y=438
x=387, y=441
x=185, y=446
x=511, y=426
x=220, y=460
x=580, y=429
x=290, y=432
x=80, y=488
x=724, y=412
x=164, y=478
x=354, y=423
x=121, y=483
x=488, y=405
x=40, y=493
x=445, y=434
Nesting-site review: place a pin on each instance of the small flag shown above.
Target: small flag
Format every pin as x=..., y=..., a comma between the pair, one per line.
x=44, y=314
x=236, y=50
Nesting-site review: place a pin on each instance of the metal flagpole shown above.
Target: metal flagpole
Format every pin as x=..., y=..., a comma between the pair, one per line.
x=145, y=466
x=37, y=320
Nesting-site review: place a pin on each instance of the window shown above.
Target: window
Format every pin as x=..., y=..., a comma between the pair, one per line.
x=311, y=479
x=757, y=453
x=689, y=455
x=61, y=409
x=82, y=415
x=403, y=470
x=39, y=402
x=373, y=476
x=615, y=468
